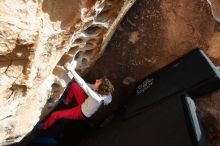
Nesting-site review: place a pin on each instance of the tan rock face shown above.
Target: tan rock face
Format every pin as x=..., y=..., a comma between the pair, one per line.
x=36, y=39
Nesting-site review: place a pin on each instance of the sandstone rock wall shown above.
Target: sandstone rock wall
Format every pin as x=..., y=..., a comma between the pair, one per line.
x=36, y=39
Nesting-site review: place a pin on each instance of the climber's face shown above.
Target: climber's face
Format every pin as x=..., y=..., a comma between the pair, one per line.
x=97, y=83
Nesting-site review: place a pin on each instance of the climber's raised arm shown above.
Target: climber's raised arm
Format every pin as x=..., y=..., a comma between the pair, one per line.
x=85, y=86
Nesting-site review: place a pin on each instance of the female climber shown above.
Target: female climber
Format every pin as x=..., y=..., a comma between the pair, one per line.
x=89, y=98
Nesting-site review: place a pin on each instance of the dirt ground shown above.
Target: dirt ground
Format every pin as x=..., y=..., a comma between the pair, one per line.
x=153, y=34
